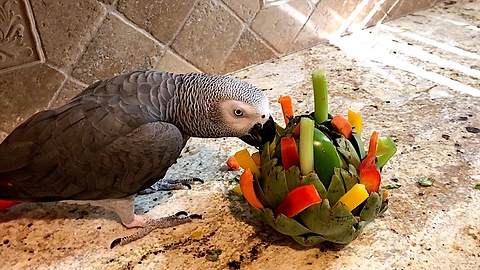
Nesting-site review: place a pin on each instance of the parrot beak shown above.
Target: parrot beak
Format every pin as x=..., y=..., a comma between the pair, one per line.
x=260, y=134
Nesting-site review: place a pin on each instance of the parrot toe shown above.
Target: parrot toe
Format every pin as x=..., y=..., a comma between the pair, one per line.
x=171, y=184
x=137, y=222
x=179, y=218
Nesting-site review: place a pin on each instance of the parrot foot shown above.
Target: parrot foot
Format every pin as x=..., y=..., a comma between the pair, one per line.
x=171, y=184
x=179, y=218
x=137, y=222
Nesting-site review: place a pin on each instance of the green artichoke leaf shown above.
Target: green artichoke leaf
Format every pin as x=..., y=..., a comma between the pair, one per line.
x=265, y=215
x=349, y=178
x=293, y=177
x=309, y=240
x=372, y=207
x=259, y=192
x=265, y=154
x=336, y=189
x=326, y=221
x=312, y=179
x=358, y=144
x=289, y=226
x=275, y=186
x=266, y=167
x=347, y=150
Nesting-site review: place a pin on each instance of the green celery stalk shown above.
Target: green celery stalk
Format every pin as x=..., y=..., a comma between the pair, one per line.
x=320, y=95
x=306, y=145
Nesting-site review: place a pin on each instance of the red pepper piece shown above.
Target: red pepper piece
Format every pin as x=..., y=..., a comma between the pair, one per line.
x=298, y=200
x=369, y=174
x=289, y=152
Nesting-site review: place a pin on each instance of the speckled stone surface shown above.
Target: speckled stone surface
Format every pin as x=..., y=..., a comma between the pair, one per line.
x=431, y=119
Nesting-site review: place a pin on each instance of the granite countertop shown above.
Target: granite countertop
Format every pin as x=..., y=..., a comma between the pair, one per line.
x=415, y=79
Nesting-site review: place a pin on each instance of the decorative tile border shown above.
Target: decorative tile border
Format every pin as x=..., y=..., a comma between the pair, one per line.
x=19, y=41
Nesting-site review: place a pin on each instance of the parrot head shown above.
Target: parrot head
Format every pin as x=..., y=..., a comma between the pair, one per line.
x=251, y=122
x=229, y=107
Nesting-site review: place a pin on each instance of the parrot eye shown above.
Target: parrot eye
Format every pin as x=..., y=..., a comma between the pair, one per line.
x=238, y=112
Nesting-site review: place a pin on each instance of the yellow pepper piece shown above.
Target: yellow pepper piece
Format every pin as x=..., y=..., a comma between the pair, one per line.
x=354, y=197
x=246, y=162
x=256, y=158
x=355, y=120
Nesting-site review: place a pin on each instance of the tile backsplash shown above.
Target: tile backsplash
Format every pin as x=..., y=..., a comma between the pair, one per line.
x=75, y=43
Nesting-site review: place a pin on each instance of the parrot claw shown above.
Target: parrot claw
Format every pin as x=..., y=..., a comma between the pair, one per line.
x=171, y=184
x=179, y=218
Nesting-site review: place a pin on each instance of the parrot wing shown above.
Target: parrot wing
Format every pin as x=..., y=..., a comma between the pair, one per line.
x=103, y=144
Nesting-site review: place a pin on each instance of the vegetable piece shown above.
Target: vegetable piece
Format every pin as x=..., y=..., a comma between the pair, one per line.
x=233, y=164
x=372, y=147
x=246, y=162
x=298, y=200
x=256, y=158
x=354, y=197
x=296, y=131
x=355, y=120
x=391, y=186
x=342, y=125
x=369, y=174
x=326, y=157
x=212, y=255
x=289, y=153
x=386, y=148
x=287, y=107
x=246, y=185
x=305, y=147
x=476, y=186
x=320, y=95
x=426, y=181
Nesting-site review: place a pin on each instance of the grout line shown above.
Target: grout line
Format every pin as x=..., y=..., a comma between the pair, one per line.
x=175, y=36
x=128, y=22
x=57, y=93
x=182, y=25
x=314, y=8
x=84, y=48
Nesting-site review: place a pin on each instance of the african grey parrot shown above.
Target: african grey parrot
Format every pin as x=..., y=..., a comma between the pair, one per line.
x=119, y=136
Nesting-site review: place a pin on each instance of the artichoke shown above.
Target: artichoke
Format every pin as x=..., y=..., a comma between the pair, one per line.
x=326, y=193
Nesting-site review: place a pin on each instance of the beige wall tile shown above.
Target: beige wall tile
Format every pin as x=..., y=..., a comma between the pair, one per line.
x=117, y=48
x=161, y=18
x=174, y=63
x=24, y=92
x=249, y=50
x=402, y=8
x=337, y=14
x=66, y=27
x=245, y=9
x=312, y=33
x=208, y=35
x=68, y=91
x=279, y=24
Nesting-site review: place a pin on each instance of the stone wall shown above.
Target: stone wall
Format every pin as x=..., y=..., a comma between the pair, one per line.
x=51, y=49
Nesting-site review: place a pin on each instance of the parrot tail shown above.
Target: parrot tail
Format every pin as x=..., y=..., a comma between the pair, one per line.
x=4, y=204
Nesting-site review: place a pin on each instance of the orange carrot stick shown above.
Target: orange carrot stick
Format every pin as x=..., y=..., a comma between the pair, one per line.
x=342, y=125
x=233, y=163
x=287, y=107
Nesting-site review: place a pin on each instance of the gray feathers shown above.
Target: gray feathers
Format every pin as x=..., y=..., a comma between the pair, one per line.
x=117, y=137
